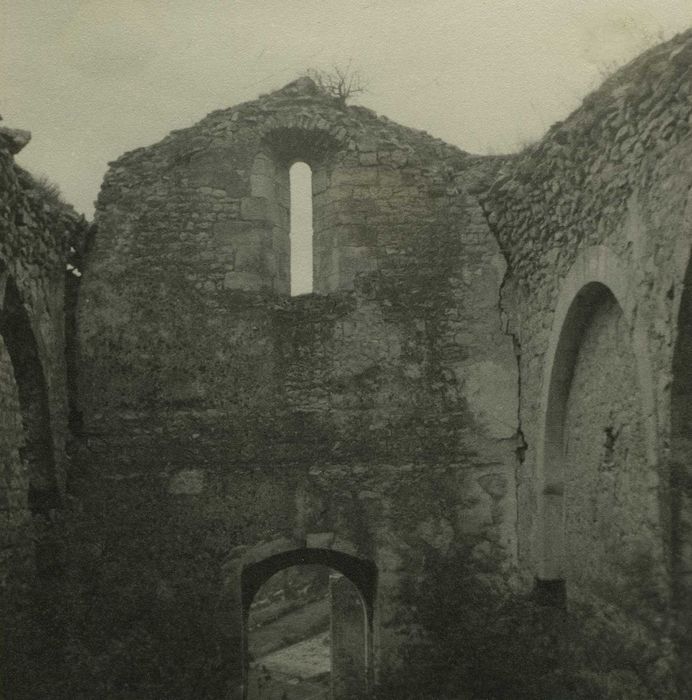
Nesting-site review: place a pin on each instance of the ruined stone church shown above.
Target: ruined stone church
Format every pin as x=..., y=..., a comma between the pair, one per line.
x=480, y=418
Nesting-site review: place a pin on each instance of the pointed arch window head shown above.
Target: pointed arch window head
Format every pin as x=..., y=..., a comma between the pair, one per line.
x=301, y=234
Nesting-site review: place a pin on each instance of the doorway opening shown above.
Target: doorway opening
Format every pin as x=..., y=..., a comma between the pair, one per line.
x=308, y=626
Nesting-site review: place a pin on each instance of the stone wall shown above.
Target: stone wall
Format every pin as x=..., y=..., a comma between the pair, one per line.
x=603, y=203
x=482, y=407
x=36, y=231
x=374, y=419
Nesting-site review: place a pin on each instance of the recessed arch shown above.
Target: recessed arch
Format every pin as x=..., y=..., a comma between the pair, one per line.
x=289, y=138
x=596, y=284
x=681, y=481
x=361, y=573
x=583, y=307
x=37, y=450
x=40, y=487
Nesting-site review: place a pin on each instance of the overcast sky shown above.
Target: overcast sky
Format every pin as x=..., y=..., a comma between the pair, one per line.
x=92, y=79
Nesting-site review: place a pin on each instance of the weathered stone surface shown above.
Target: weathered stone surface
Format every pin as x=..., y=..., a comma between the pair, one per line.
x=594, y=221
x=341, y=412
x=188, y=482
x=38, y=236
x=489, y=388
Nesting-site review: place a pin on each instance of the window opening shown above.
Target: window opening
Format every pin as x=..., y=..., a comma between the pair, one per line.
x=301, y=228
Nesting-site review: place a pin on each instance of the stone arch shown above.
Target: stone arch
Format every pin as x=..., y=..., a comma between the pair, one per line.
x=37, y=449
x=361, y=573
x=681, y=480
x=33, y=489
x=597, y=278
x=312, y=133
x=290, y=140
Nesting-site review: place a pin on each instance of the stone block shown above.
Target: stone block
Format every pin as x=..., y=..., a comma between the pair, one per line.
x=253, y=208
x=490, y=388
x=367, y=143
x=189, y=482
x=495, y=485
x=320, y=181
x=342, y=545
x=358, y=235
x=249, y=259
x=319, y=540
x=227, y=232
x=438, y=533
x=246, y=281
x=264, y=550
x=354, y=260
x=474, y=520
x=353, y=176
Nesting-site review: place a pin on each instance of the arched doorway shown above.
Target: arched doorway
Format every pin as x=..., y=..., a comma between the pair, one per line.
x=307, y=625
x=681, y=482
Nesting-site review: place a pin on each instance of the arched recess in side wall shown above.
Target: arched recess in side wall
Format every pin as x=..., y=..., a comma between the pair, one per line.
x=37, y=449
x=594, y=301
x=360, y=572
x=681, y=480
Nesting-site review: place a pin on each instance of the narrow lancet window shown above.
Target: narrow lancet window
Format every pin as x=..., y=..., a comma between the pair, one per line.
x=301, y=228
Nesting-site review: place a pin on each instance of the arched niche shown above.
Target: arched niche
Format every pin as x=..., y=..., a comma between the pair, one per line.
x=597, y=442
x=361, y=576
x=553, y=486
x=41, y=491
x=681, y=481
x=36, y=448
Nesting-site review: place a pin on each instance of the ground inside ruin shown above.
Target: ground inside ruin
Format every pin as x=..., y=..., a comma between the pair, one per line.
x=288, y=661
